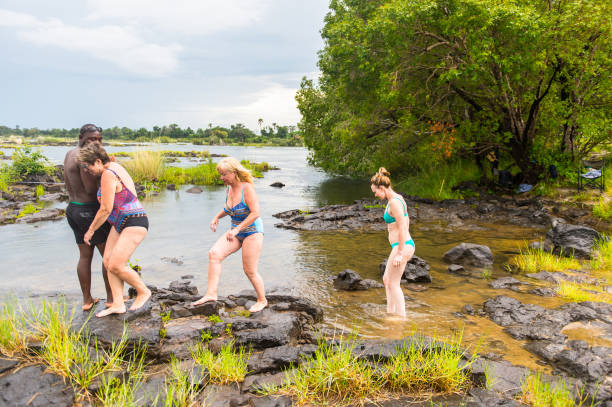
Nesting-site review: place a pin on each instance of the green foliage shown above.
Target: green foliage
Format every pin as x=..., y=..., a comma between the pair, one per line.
x=410, y=82
x=14, y=333
x=6, y=177
x=206, y=336
x=539, y=393
x=226, y=366
x=28, y=210
x=27, y=161
x=603, y=209
x=601, y=258
x=180, y=391
x=214, y=319
x=40, y=191
x=486, y=273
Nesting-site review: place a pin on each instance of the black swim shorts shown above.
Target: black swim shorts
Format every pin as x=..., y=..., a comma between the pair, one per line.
x=80, y=217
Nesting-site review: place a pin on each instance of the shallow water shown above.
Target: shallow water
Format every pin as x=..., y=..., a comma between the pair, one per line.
x=41, y=258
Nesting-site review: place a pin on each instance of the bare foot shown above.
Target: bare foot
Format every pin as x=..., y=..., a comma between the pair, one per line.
x=206, y=298
x=87, y=307
x=110, y=303
x=258, y=306
x=111, y=310
x=140, y=300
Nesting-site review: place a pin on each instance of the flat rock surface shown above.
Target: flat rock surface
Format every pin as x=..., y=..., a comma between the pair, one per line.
x=33, y=386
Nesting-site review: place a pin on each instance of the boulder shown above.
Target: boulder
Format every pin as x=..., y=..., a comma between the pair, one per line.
x=195, y=190
x=350, y=280
x=416, y=271
x=470, y=254
x=572, y=240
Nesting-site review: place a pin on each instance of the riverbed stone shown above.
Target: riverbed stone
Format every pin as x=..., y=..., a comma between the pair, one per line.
x=504, y=282
x=276, y=329
x=543, y=292
x=457, y=269
x=45, y=214
x=254, y=383
x=416, y=270
x=277, y=184
x=470, y=254
x=480, y=397
x=572, y=240
x=350, y=280
x=194, y=190
x=286, y=295
x=270, y=401
x=33, y=386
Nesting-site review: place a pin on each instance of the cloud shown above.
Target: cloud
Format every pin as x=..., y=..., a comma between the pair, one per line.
x=192, y=17
x=274, y=104
x=118, y=45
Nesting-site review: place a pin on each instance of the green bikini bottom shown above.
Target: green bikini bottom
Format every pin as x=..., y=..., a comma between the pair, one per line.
x=410, y=242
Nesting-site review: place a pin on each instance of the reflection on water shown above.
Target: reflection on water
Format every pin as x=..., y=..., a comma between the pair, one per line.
x=41, y=258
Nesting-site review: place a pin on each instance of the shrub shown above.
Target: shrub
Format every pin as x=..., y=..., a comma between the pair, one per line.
x=30, y=162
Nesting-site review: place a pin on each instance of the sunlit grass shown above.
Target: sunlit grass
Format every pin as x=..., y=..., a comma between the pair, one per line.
x=224, y=367
x=334, y=375
x=145, y=165
x=180, y=392
x=116, y=392
x=203, y=174
x=14, y=334
x=531, y=260
x=535, y=392
x=28, y=210
x=575, y=292
x=603, y=209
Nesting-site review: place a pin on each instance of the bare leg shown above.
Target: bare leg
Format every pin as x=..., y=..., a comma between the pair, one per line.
x=109, y=292
x=84, y=274
x=115, y=284
x=392, y=278
x=220, y=250
x=251, y=249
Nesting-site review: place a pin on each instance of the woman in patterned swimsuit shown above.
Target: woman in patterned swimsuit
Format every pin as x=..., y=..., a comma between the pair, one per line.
x=121, y=207
x=242, y=205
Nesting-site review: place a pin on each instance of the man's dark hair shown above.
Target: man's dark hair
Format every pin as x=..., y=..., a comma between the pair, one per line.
x=89, y=128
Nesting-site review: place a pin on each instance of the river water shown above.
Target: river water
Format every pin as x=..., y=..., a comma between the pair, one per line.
x=40, y=259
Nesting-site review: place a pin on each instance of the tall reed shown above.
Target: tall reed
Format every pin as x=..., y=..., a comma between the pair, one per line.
x=146, y=165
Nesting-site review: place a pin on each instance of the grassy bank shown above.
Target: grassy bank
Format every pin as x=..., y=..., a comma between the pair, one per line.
x=148, y=167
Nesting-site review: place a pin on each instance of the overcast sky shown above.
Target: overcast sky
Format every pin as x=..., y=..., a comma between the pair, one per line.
x=140, y=63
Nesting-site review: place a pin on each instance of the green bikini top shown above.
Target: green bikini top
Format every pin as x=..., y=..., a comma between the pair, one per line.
x=387, y=216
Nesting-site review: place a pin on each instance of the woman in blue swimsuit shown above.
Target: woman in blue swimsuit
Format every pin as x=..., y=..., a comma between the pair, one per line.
x=242, y=205
x=402, y=245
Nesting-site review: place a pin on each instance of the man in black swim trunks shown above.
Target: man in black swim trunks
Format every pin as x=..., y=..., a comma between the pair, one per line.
x=82, y=188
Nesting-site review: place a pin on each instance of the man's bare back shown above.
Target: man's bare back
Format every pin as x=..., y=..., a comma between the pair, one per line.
x=81, y=186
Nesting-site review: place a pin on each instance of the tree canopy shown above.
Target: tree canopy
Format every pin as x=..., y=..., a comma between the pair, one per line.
x=408, y=82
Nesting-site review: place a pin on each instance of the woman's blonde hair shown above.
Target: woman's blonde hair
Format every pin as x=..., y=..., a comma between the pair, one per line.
x=381, y=178
x=92, y=152
x=233, y=165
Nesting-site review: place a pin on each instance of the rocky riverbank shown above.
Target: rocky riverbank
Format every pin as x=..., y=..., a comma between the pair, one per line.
x=286, y=335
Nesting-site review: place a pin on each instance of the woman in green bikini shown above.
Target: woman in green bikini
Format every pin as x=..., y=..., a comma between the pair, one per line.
x=402, y=245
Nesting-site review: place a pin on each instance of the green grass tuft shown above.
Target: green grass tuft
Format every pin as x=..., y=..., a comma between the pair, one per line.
x=224, y=367
x=535, y=260
x=40, y=191
x=28, y=210
x=538, y=393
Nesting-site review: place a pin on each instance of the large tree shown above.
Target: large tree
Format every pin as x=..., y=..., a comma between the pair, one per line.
x=402, y=78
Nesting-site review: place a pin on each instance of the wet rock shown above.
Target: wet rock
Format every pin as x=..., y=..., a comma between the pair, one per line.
x=470, y=254
x=503, y=375
x=284, y=295
x=179, y=286
x=270, y=401
x=32, y=386
x=217, y=395
x=54, y=197
x=572, y=239
x=45, y=214
x=488, y=398
x=171, y=187
x=195, y=190
x=173, y=260
x=457, y=269
x=350, y=280
x=7, y=364
x=543, y=291
x=277, y=184
x=504, y=282
x=416, y=271
x=275, y=359
x=142, y=325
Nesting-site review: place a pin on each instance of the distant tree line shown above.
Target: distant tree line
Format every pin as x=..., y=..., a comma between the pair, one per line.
x=236, y=133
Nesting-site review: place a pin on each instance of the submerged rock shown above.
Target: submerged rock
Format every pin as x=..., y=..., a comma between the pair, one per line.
x=194, y=190
x=277, y=184
x=350, y=280
x=470, y=254
x=505, y=282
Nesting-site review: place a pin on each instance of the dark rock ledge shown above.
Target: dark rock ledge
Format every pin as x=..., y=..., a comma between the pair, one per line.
x=280, y=337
